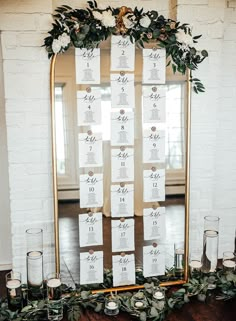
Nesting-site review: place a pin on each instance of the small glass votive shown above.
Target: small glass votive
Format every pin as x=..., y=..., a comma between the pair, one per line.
x=158, y=294
x=14, y=293
x=179, y=258
x=54, y=302
x=195, y=264
x=112, y=304
x=139, y=301
x=229, y=262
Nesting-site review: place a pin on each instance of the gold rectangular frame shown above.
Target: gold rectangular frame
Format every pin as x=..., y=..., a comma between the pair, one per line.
x=55, y=193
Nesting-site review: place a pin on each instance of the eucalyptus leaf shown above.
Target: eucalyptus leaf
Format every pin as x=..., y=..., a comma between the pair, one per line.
x=143, y=316
x=154, y=312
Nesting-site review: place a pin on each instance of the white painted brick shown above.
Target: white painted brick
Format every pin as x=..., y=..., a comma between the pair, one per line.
x=26, y=6
x=20, y=53
x=161, y=6
x=18, y=86
x=21, y=205
x=21, y=22
x=40, y=106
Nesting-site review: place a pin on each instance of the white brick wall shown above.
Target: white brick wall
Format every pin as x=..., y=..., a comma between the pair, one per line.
x=213, y=146
x=24, y=24
x=26, y=75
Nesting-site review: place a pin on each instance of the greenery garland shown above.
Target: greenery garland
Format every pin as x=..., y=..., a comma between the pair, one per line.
x=87, y=28
x=75, y=301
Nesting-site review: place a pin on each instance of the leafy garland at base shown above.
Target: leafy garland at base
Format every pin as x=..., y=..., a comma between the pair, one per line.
x=87, y=28
x=75, y=301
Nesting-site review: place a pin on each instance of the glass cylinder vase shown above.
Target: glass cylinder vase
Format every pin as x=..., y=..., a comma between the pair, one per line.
x=14, y=293
x=210, y=243
x=34, y=263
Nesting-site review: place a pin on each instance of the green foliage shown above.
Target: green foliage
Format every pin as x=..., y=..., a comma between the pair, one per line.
x=74, y=302
x=86, y=30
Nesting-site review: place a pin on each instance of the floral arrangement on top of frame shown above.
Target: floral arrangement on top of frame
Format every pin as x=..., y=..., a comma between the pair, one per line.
x=87, y=28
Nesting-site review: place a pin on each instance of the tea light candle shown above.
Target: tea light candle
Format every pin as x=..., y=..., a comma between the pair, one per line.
x=112, y=305
x=53, y=283
x=158, y=295
x=195, y=264
x=139, y=304
x=34, y=254
x=229, y=264
x=13, y=284
x=179, y=251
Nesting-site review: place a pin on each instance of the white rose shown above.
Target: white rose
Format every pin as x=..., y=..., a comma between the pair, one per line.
x=56, y=46
x=97, y=15
x=108, y=20
x=129, y=21
x=184, y=38
x=145, y=21
x=64, y=40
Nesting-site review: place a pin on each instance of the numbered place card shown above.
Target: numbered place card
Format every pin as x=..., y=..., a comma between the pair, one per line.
x=154, y=66
x=91, y=267
x=122, y=90
x=122, y=54
x=153, y=146
x=154, y=104
x=123, y=269
x=90, y=150
x=153, y=260
x=89, y=107
x=154, y=223
x=122, y=235
x=87, y=64
x=91, y=190
x=154, y=185
x=90, y=229
x=122, y=165
x=122, y=200
x=122, y=125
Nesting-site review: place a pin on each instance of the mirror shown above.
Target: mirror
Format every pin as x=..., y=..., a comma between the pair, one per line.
x=67, y=172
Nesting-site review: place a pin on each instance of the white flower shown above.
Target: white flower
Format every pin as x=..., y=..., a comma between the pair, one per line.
x=184, y=38
x=56, y=46
x=108, y=20
x=129, y=21
x=64, y=40
x=97, y=15
x=145, y=21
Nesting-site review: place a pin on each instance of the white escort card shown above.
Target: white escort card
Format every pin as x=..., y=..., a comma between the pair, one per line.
x=122, y=200
x=153, y=260
x=154, y=104
x=89, y=107
x=91, y=267
x=153, y=146
x=122, y=54
x=90, y=150
x=154, y=223
x=122, y=235
x=122, y=165
x=91, y=190
x=154, y=185
x=90, y=229
x=87, y=66
x=154, y=66
x=122, y=128
x=123, y=269
x=122, y=90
